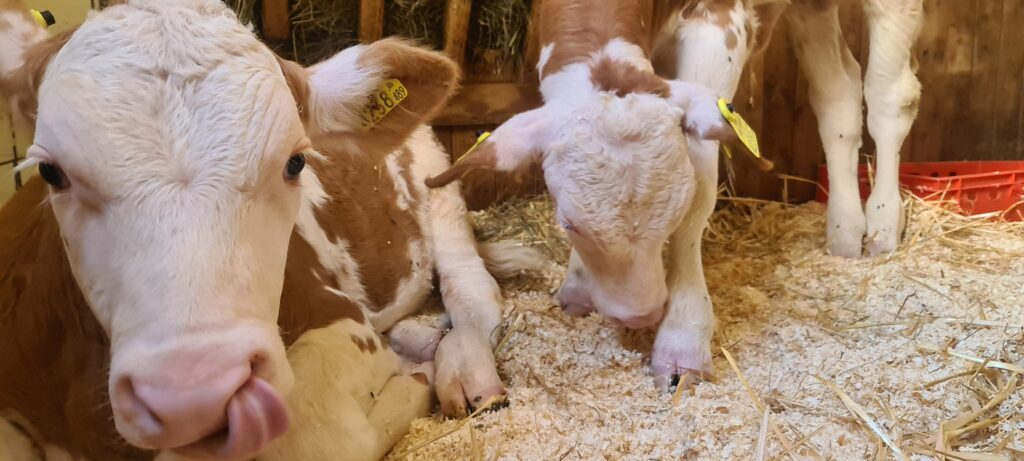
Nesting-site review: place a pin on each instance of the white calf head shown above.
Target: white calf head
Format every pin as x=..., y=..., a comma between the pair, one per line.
x=616, y=165
x=174, y=146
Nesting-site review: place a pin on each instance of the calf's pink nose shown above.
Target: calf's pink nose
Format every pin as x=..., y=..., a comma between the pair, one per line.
x=203, y=412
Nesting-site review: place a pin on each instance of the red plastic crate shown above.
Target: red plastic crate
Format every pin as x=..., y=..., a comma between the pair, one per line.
x=979, y=187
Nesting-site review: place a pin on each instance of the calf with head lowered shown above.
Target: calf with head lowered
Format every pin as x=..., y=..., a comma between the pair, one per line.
x=612, y=141
x=218, y=235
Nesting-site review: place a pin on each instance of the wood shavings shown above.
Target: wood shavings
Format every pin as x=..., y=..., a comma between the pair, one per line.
x=580, y=388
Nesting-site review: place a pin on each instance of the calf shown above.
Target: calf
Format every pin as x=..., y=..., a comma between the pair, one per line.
x=216, y=237
x=707, y=42
x=621, y=180
x=612, y=140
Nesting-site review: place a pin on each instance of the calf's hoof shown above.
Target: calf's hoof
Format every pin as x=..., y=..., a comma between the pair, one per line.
x=680, y=357
x=467, y=376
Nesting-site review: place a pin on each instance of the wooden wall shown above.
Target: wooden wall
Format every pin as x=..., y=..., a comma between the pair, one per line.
x=971, y=65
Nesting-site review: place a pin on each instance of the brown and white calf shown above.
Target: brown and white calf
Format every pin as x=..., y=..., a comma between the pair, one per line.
x=612, y=140
x=622, y=176
x=707, y=42
x=218, y=241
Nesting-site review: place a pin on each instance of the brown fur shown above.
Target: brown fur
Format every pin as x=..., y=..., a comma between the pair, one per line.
x=579, y=28
x=53, y=369
x=364, y=211
x=622, y=79
x=484, y=157
x=298, y=81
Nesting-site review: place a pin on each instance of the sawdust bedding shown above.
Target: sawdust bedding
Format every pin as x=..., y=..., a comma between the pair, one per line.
x=916, y=355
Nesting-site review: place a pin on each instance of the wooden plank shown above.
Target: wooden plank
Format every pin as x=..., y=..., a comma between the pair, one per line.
x=371, y=20
x=984, y=72
x=276, y=21
x=1007, y=105
x=456, y=29
x=488, y=103
x=531, y=53
x=779, y=96
x=945, y=50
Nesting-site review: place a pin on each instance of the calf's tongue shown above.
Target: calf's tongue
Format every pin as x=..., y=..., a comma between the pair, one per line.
x=256, y=415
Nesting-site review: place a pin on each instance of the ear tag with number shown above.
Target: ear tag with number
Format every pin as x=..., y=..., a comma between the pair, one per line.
x=743, y=131
x=388, y=96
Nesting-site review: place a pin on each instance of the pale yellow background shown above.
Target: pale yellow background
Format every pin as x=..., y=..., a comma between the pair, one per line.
x=16, y=135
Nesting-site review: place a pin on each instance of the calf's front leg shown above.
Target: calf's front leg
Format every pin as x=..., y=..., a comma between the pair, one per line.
x=683, y=344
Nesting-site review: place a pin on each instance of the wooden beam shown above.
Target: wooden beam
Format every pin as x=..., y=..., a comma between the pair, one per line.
x=371, y=20
x=456, y=29
x=276, y=21
x=488, y=103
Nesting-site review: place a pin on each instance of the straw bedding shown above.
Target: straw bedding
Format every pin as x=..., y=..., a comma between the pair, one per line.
x=824, y=358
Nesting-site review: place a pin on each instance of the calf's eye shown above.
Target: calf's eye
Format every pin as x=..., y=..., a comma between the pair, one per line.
x=295, y=165
x=53, y=175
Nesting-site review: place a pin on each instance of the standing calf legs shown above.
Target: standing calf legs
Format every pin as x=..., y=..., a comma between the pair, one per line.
x=892, y=92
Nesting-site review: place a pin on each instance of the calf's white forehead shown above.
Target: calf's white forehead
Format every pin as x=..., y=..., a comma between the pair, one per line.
x=621, y=165
x=166, y=92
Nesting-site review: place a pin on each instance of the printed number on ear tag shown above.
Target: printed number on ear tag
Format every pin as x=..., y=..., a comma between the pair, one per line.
x=388, y=96
x=743, y=131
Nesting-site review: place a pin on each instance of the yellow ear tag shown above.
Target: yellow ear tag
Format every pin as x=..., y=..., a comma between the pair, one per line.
x=44, y=18
x=479, y=140
x=388, y=96
x=743, y=131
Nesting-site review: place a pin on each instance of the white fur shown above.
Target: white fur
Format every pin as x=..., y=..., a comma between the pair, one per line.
x=334, y=82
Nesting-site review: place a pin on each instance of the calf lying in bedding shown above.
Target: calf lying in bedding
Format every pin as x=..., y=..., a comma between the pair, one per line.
x=216, y=237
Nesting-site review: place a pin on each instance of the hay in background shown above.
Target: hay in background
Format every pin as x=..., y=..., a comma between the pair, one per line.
x=420, y=20
x=321, y=28
x=883, y=329
x=497, y=33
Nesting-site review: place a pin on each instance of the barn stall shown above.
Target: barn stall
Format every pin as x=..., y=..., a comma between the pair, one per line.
x=914, y=355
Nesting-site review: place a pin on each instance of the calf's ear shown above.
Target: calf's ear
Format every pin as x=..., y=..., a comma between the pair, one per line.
x=701, y=116
x=25, y=51
x=514, y=146
x=376, y=93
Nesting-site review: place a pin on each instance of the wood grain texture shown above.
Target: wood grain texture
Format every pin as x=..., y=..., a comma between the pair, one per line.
x=456, y=29
x=276, y=21
x=371, y=20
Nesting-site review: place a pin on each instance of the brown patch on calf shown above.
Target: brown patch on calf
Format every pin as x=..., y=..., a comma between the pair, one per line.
x=305, y=302
x=363, y=211
x=485, y=156
x=718, y=12
x=298, y=82
x=768, y=15
x=623, y=78
x=55, y=355
x=421, y=378
x=579, y=28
